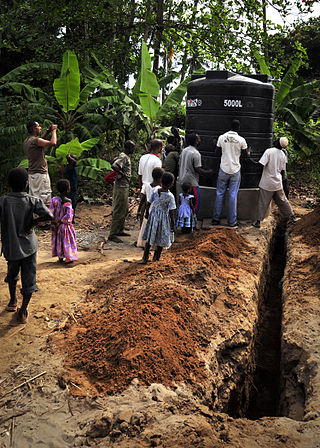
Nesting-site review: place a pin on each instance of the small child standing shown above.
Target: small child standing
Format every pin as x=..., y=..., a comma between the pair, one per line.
x=160, y=225
x=146, y=192
x=73, y=178
x=186, y=214
x=63, y=240
x=19, y=241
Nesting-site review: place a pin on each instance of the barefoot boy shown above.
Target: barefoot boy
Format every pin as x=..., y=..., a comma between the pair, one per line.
x=19, y=242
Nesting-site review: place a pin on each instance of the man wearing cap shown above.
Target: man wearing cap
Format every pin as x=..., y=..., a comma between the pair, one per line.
x=274, y=162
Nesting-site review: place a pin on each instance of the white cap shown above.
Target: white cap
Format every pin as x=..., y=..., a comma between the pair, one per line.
x=284, y=142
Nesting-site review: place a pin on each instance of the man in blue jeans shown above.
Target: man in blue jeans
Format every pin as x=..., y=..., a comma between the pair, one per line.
x=231, y=144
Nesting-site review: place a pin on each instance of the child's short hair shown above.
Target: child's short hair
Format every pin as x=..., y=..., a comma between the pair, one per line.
x=167, y=179
x=63, y=185
x=169, y=148
x=18, y=178
x=157, y=173
x=186, y=186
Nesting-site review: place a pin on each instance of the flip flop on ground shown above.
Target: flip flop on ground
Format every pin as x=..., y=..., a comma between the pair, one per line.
x=11, y=308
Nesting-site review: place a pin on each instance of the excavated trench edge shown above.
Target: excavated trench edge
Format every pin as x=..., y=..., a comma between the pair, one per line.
x=260, y=393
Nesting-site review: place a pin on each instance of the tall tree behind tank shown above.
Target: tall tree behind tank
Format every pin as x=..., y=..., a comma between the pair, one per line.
x=182, y=33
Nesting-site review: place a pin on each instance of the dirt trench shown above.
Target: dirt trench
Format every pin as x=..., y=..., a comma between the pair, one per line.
x=234, y=355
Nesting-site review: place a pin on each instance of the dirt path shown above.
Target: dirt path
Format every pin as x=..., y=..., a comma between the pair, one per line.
x=65, y=408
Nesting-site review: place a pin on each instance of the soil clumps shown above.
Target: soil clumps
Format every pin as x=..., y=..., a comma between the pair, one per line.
x=145, y=322
x=308, y=227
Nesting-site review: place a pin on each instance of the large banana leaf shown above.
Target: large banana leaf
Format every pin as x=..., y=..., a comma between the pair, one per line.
x=165, y=80
x=72, y=147
x=95, y=103
x=175, y=97
x=149, y=83
x=89, y=171
x=92, y=86
x=264, y=69
x=149, y=87
x=92, y=168
x=95, y=163
x=303, y=90
x=106, y=72
x=306, y=140
x=67, y=87
x=88, y=144
x=291, y=117
x=149, y=105
x=29, y=69
x=287, y=82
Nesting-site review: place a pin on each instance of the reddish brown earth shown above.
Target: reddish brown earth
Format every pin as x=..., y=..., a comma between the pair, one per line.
x=144, y=323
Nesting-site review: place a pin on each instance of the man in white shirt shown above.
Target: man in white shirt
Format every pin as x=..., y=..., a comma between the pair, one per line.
x=149, y=161
x=190, y=168
x=147, y=164
x=274, y=162
x=231, y=144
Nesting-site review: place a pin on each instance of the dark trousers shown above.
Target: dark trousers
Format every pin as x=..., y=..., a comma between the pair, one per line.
x=120, y=198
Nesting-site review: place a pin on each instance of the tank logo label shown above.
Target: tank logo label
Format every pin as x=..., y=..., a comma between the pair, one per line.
x=194, y=103
x=232, y=103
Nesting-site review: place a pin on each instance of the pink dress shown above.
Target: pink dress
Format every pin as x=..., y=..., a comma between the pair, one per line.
x=63, y=240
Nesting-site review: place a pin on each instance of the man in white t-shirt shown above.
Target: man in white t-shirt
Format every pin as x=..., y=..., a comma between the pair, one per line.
x=149, y=161
x=274, y=162
x=147, y=164
x=231, y=144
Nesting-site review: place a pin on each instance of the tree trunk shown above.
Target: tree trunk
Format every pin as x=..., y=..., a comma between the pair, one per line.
x=158, y=37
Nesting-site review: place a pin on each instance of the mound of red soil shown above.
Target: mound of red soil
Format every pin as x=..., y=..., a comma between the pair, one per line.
x=309, y=227
x=146, y=322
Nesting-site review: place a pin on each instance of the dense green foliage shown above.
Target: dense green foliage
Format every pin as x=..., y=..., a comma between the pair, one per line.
x=89, y=95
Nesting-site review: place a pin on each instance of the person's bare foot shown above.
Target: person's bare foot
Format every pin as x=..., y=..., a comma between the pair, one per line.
x=22, y=316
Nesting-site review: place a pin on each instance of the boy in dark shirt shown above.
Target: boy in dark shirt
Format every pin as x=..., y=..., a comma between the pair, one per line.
x=19, y=241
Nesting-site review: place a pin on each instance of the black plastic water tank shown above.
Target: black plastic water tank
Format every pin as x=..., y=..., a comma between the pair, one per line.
x=214, y=101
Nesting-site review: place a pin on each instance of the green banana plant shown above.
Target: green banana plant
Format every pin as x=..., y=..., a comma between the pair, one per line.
x=295, y=104
x=67, y=86
x=147, y=89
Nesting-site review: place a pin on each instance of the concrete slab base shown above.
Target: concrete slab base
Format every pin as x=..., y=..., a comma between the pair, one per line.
x=247, y=203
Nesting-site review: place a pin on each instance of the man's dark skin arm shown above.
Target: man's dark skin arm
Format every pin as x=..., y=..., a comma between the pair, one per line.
x=47, y=132
x=203, y=172
x=71, y=159
x=47, y=217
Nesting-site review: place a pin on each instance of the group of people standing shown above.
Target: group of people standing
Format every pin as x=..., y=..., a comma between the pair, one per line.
x=187, y=166
x=157, y=180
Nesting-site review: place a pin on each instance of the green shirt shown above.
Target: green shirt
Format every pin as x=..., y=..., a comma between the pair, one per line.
x=122, y=165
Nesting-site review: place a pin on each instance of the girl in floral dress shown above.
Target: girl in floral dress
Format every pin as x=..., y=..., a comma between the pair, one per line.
x=160, y=225
x=63, y=240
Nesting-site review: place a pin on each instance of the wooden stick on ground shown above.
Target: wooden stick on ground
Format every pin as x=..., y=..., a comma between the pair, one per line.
x=71, y=315
x=13, y=333
x=11, y=432
x=16, y=414
x=22, y=384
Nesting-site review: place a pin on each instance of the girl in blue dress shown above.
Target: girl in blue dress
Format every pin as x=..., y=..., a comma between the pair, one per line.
x=186, y=214
x=160, y=225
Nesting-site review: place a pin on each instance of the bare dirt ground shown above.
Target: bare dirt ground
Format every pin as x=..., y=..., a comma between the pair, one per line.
x=132, y=356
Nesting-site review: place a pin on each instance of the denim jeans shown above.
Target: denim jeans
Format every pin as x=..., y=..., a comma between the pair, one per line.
x=224, y=181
